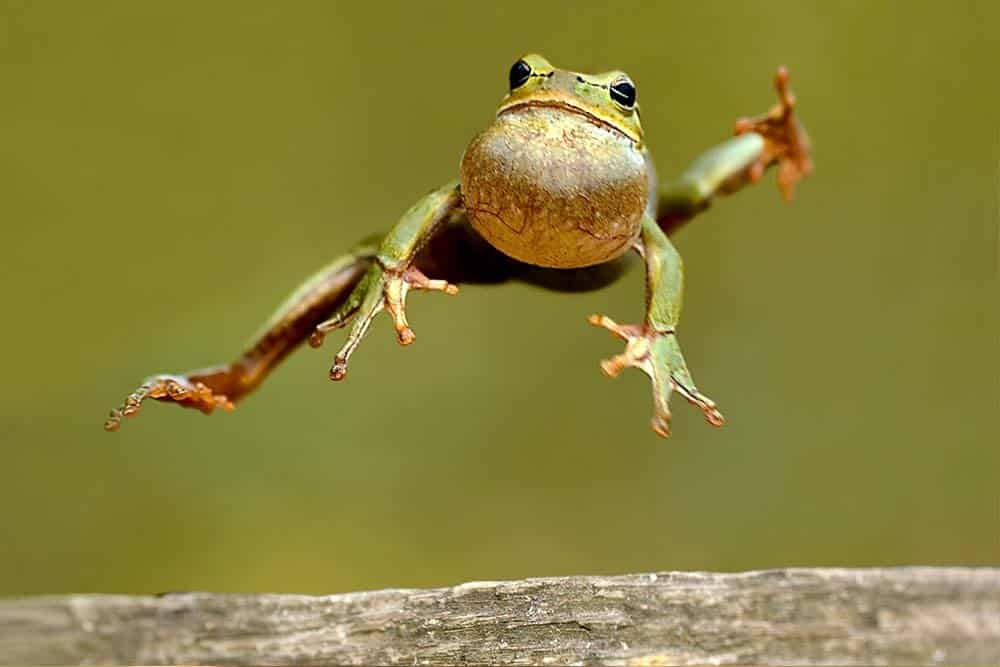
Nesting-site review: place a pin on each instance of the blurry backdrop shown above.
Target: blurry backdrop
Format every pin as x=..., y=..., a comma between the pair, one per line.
x=168, y=172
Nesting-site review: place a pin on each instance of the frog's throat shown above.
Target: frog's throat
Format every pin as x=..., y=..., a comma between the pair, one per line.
x=572, y=108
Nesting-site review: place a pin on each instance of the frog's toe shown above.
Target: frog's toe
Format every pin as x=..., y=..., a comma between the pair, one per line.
x=636, y=354
x=696, y=398
x=623, y=331
x=383, y=289
x=338, y=371
x=396, y=289
x=662, y=416
x=178, y=389
x=660, y=423
x=337, y=321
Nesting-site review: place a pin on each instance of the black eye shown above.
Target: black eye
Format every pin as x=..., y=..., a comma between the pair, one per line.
x=519, y=73
x=623, y=92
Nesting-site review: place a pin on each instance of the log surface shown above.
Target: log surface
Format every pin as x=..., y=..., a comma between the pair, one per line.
x=917, y=615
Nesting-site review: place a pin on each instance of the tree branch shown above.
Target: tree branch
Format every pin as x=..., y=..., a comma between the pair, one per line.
x=801, y=616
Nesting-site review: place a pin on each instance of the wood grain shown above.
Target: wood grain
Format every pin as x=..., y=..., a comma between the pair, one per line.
x=914, y=616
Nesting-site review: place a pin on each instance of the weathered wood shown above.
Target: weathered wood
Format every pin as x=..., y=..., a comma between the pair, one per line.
x=800, y=616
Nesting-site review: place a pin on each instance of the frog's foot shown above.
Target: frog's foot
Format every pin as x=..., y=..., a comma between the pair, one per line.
x=381, y=289
x=188, y=392
x=658, y=355
x=785, y=140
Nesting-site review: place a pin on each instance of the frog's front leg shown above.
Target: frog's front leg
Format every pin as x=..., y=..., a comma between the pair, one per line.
x=391, y=276
x=652, y=346
x=775, y=138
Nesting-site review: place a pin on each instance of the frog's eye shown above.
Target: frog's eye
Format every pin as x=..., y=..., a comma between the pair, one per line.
x=623, y=93
x=520, y=72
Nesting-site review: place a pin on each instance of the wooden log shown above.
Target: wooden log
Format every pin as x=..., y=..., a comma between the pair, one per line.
x=916, y=615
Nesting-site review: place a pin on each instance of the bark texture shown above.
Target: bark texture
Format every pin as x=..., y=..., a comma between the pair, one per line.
x=800, y=616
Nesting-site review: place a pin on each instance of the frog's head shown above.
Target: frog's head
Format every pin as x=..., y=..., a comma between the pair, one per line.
x=607, y=99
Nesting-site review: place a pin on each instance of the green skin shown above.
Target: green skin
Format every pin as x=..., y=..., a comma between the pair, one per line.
x=554, y=193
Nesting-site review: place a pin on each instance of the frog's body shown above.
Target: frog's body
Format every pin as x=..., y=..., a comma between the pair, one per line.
x=560, y=180
x=585, y=211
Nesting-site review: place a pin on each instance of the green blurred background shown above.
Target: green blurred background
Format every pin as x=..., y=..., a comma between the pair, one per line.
x=169, y=171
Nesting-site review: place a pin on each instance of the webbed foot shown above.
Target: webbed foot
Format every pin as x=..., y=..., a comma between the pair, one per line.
x=381, y=289
x=186, y=391
x=658, y=355
x=785, y=140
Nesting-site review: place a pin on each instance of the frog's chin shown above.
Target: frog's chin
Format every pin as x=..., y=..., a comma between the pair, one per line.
x=563, y=105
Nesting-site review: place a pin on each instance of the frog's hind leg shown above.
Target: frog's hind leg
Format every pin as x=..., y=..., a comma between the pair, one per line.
x=652, y=346
x=293, y=322
x=434, y=238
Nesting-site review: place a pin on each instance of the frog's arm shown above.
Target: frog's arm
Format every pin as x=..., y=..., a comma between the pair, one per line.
x=391, y=276
x=652, y=346
x=374, y=275
x=775, y=138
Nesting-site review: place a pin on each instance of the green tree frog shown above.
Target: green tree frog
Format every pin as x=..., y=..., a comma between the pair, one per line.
x=555, y=192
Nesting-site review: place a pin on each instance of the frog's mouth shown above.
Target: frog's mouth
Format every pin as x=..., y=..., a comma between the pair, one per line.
x=567, y=106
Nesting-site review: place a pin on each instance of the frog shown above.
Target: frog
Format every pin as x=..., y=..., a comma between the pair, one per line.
x=559, y=191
